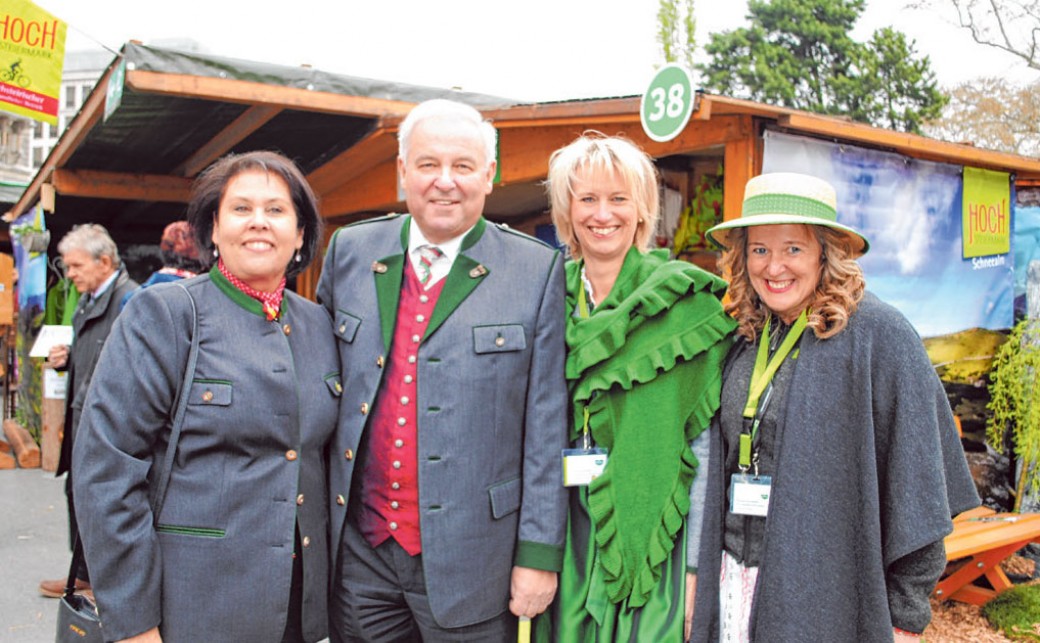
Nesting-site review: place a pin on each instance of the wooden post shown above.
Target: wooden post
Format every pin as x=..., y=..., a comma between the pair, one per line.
x=25, y=450
x=52, y=417
x=6, y=459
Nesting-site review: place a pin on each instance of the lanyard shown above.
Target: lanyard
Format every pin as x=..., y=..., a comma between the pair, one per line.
x=761, y=378
x=583, y=312
x=583, y=303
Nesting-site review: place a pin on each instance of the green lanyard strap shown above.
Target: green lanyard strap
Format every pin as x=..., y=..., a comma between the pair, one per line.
x=583, y=304
x=765, y=369
x=583, y=311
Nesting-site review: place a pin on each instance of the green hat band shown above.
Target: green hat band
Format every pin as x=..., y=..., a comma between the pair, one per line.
x=788, y=204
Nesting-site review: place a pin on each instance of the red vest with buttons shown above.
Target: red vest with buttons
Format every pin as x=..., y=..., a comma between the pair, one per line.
x=390, y=481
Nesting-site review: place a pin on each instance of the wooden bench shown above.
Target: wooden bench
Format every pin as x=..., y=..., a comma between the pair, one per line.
x=981, y=539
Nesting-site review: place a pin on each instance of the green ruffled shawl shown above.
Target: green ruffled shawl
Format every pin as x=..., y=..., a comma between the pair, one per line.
x=647, y=363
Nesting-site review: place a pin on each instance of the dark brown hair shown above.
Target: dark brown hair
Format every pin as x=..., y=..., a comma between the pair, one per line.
x=209, y=187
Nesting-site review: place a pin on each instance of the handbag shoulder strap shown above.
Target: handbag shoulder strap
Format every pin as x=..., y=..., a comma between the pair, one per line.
x=163, y=479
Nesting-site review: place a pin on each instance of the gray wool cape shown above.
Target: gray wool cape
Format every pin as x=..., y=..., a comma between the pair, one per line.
x=869, y=468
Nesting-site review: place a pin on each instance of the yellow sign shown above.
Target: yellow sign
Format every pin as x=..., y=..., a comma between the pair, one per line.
x=986, y=213
x=32, y=55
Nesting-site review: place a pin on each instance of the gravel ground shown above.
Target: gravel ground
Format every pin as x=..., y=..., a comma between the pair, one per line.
x=954, y=622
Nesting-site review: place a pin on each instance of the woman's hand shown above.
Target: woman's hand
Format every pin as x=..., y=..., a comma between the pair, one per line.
x=151, y=636
x=691, y=593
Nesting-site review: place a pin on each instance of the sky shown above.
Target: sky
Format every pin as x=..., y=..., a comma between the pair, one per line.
x=536, y=50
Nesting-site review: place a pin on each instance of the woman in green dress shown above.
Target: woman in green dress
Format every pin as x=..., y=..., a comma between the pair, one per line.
x=646, y=337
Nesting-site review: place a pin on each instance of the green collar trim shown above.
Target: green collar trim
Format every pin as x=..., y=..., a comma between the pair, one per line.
x=474, y=235
x=234, y=294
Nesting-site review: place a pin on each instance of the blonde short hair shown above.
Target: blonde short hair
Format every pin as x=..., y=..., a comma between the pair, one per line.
x=596, y=152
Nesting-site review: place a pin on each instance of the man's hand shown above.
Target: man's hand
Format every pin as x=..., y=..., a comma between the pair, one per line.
x=531, y=591
x=151, y=636
x=691, y=593
x=58, y=356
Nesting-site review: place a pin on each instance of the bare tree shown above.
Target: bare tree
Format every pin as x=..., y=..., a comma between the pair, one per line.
x=1012, y=26
x=992, y=113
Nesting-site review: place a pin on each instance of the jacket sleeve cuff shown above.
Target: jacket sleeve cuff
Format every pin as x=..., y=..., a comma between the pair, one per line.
x=539, y=556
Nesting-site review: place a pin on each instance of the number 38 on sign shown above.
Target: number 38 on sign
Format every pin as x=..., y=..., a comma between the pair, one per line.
x=667, y=103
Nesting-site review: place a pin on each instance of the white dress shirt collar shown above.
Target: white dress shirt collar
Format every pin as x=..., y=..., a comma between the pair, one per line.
x=442, y=266
x=105, y=285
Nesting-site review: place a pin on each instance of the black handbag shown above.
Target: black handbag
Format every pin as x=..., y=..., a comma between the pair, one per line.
x=78, y=619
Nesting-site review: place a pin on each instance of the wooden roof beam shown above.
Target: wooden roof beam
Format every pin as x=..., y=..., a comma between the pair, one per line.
x=126, y=187
x=375, y=148
x=251, y=120
x=524, y=157
x=242, y=91
x=910, y=144
x=374, y=190
x=607, y=110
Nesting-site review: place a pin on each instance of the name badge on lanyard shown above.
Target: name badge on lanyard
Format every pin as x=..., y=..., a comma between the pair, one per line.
x=582, y=466
x=749, y=492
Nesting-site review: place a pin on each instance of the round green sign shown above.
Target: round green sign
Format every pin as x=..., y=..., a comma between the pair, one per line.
x=667, y=104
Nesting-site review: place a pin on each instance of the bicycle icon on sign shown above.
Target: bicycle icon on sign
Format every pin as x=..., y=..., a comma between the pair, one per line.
x=14, y=75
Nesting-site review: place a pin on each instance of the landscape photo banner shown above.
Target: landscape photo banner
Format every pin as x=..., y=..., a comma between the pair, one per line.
x=32, y=56
x=911, y=211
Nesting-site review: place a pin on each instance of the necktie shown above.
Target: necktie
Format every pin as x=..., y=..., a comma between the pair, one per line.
x=427, y=255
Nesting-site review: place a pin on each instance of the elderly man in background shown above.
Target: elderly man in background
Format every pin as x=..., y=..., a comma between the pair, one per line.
x=447, y=498
x=93, y=265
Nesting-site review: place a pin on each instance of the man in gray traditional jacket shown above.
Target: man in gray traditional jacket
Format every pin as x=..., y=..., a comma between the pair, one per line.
x=448, y=506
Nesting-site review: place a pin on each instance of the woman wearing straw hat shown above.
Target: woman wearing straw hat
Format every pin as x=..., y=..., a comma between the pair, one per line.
x=646, y=337
x=838, y=465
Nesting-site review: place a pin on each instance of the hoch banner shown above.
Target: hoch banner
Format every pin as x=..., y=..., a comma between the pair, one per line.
x=32, y=56
x=986, y=213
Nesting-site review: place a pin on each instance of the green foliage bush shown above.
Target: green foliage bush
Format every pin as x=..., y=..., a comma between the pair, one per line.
x=1015, y=612
x=1015, y=382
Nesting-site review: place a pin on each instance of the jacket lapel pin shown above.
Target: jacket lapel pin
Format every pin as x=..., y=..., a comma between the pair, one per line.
x=479, y=271
x=378, y=267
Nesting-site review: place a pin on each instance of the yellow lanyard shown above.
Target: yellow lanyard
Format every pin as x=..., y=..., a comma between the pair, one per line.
x=761, y=376
x=583, y=312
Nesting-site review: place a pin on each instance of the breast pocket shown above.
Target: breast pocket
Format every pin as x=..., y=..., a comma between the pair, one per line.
x=210, y=393
x=334, y=383
x=346, y=326
x=501, y=338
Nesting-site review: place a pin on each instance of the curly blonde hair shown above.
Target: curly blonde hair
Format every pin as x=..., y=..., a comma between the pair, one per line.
x=836, y=297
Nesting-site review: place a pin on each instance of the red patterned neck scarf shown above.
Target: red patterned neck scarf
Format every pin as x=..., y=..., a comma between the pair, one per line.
x=271, y=301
